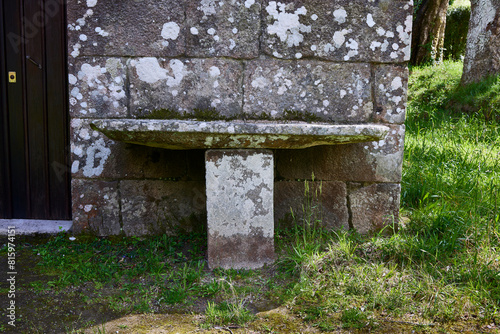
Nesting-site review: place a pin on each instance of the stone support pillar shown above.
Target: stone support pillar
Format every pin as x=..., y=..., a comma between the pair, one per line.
x=240, y=213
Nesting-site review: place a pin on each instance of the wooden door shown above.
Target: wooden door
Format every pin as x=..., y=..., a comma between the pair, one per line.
x=34, y=178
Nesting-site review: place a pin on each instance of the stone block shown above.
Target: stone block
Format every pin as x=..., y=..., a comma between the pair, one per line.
x=93, y=155
x=126, y=28
x=374, y=206
x=185, y=84
x=223, y=28
x=342, y=30
x=379, y=161
x=97, y=88
x=331, y=92
x=136, y=161
x=95, y=207
x=240, y=219
x=90, y=150
x=326, y=201
x=391, y=86
x=151, y=207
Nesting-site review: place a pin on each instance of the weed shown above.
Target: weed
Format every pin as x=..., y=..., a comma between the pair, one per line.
x=226, y=314
x=353, y=318
x=231, y=311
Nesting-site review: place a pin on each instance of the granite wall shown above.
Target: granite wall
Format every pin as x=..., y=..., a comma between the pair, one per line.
x=338, y=61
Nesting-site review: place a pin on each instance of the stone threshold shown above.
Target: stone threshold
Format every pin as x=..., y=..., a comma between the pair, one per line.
x=35, y=226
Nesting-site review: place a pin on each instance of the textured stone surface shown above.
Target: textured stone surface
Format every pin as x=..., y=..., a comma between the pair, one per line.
x=90, y=150
x=134, y=161
x=95, y=207
x=378, y=161
x=240, y=219
x=126, y=28
x=391, y=86
x=328, y=202
x=223, y=28
x=341, y=30
x=332, y=92
x=374, y=206
x=97, y=88
x=334, y=62
x=35, y=226
x=482, y=53
x=180, y=134
x=185, y=84
x=93, y=155
x=162, y=207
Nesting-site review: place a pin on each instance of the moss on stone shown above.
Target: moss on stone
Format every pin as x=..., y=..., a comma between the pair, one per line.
x=213, y=115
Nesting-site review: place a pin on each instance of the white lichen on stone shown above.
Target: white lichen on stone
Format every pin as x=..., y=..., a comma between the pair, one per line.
x=170, y=30
x=249, y=3
x=208, y=7
x=369, y=20
x=149, y=70
x=339, y=37
x=287, y=26
x=353, y=45
x=72, y=79
x=214, y=71
x=340, y=15
x=405, y=36
x=101, y=32
x=396, y=83
x=260, y=82
x=91, y=3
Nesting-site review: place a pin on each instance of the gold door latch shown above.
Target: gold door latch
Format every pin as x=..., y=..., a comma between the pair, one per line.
x=12, y=77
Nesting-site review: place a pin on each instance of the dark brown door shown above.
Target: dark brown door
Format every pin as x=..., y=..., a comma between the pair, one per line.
x=34, y=178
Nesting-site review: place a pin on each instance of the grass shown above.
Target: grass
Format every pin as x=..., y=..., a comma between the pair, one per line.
x=444, y=266
x=441, y=269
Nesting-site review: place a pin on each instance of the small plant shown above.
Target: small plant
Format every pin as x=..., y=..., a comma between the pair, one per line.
x=100, y=330
x=354, y=318
x=225, y=313
x=307, y=237
x=230, y=312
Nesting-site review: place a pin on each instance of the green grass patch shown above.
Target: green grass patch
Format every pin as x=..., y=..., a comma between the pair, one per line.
x=444, y=265
x=225, y=313
x=435, y=92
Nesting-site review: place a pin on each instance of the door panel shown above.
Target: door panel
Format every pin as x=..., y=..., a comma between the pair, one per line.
x=34, y=158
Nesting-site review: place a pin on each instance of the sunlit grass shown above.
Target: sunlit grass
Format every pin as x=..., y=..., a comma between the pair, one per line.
x=444, y=265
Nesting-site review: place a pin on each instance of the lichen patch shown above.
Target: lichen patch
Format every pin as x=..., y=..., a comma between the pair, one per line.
x=170, y=30
x=287, y=26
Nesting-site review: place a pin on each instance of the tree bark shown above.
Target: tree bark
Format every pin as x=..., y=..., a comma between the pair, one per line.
x=428, y=32
x=482, y=54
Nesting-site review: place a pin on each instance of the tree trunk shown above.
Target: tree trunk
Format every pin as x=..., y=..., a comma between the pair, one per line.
x=428, y=32
x=482, y=54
